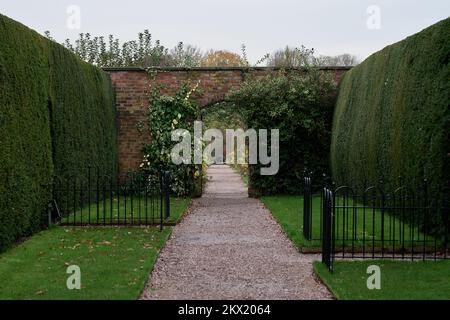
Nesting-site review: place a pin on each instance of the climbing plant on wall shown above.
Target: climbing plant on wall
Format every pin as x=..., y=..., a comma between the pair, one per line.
x=168, y=113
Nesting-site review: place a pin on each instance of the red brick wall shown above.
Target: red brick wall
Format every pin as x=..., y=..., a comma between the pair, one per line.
x=132, y=87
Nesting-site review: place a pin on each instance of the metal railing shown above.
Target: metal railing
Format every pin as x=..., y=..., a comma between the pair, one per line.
x=307, y=209
x=373, y=223
x=99, y=199
x=328, y=228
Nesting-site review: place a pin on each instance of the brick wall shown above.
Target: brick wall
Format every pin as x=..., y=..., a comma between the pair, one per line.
x=132, y=86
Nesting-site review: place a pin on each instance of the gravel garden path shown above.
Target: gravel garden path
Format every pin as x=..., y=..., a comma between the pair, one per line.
x=229, y=247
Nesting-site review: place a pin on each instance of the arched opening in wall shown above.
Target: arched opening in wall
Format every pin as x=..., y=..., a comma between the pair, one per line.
x=224, y=117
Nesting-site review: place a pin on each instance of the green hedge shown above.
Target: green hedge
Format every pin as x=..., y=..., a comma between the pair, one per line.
x=56, y=116
x=301, y=106
x=83, y=115
x=392, y=117
x=25, y=145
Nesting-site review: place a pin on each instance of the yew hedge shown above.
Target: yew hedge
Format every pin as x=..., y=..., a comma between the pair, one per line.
x=57, y=116
x=392, y=119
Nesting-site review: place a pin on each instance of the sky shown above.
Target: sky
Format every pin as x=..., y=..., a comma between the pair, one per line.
x=358, y=27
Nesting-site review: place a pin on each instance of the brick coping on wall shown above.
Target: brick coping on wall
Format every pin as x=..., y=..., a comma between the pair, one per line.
x=209, y=69
x=131, y=94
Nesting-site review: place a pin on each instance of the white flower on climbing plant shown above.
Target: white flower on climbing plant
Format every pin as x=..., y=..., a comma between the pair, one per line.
x=175, y=121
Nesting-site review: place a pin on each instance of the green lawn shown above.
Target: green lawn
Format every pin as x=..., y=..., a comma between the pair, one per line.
x=130, y=210
x=288, y=211
x=115, y=263
x=399, y=280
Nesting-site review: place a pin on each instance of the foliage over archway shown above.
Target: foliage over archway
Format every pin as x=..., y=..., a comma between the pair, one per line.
x=301, y=106
x=223, y=116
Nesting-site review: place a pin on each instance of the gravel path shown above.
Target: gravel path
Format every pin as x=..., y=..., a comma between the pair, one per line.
x=229, y=247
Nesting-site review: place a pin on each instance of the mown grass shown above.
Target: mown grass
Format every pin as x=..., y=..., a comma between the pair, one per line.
x=367, y=231
x=127, y=210
x=288, y=212
x=400, y=280
x=115, y=263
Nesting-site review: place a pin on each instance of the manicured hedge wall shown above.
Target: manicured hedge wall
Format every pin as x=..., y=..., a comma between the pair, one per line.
x=83, y=116
x=25, y=146
x=392, y=117
x=56, y=117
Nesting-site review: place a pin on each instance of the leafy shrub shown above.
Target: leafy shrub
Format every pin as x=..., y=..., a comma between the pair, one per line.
x=300, y=105
x=168, y=113
x=57, y=117
x=392, y=117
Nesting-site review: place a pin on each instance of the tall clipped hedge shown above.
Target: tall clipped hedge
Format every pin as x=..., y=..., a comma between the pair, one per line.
x=57, y=116
x=392, y=119
x=26, y=165
x=82, y=115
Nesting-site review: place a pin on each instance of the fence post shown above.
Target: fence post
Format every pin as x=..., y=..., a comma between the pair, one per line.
x=89, y=194
x=446, y=216
x=425, y=217
x=201, y=180
x=167, y=193
x=327, y=229
x=161, y=200
x=49, y=214
x=383, y=208
x=98, y=195
x=307, y=210
x=447, y=228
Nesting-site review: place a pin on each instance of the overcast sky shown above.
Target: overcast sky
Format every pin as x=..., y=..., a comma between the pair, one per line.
x=330, y=27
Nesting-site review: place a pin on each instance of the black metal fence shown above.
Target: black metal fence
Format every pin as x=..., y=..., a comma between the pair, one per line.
x=99, y=199
x=307, y=208
x=375, y=224
x=328, y=239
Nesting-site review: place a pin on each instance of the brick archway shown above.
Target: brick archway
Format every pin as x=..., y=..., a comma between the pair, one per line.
x=132, y=85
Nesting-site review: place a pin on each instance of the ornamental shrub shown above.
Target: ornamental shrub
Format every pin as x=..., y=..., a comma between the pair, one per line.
x=299, y=104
